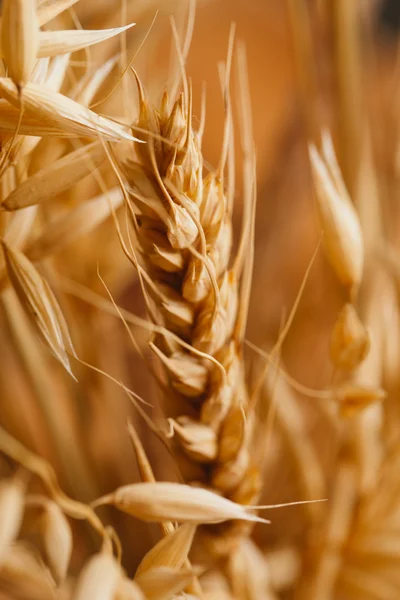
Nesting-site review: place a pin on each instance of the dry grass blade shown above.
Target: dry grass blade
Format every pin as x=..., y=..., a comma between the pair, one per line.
x=162, y=583
x=56, y=177
x=343, y=240
x=40, y=304
x=52, y=43
x=163, y=501
x=19, y=38
x=12, y=500
x=99, y=578
x=49, y=9
x=29, y=125
x=61, y=112
x=171, y=551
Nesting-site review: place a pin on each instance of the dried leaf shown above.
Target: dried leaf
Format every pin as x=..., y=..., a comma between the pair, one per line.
x=163, y=501
x=171, y=551
x=56, y=178
x=40, y=304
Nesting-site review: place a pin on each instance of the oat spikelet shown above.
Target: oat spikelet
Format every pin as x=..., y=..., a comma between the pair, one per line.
x=353, y=398
x=56, y=178
x=343, y=239
x=350, y=340
x=162, y=501
x=99, y=578
x=57, y=539
x=63, y=113
x=162, y=583
x=129, y=590
x=19, y=38
x=171, y=551
x=39, y=303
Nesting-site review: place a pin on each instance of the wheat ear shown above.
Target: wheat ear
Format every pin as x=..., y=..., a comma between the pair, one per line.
x=196, y=288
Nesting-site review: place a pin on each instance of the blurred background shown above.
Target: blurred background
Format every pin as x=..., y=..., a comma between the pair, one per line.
x=312, y=65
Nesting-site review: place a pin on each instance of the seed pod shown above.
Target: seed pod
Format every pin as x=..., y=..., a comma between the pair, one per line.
x=19, y=38
x=350, y=340
x=163, y=501
x=12, y=498
x=353, y=398
x=99, y=578
x=171, y=551
x=343, y=239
